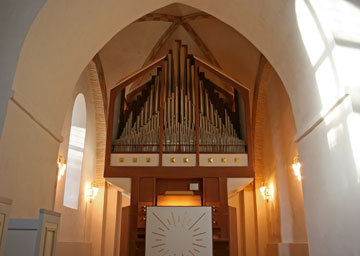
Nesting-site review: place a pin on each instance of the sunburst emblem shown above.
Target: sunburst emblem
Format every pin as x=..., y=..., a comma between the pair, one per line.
x=180, y=231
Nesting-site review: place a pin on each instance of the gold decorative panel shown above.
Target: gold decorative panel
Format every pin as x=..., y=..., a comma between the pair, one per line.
x=179, y=160
x=230, y=160
x=145, y=160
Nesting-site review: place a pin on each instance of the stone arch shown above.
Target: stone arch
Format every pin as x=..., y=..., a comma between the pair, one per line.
x=100, y=120
x=63, y=60
x=63, y=39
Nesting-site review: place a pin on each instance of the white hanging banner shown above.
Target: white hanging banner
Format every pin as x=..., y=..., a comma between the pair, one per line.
x=178, y=231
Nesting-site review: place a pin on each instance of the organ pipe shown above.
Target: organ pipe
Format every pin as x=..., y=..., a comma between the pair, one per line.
x=141, y=130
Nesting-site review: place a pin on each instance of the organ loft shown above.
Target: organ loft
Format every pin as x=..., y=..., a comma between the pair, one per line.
x=179, y=127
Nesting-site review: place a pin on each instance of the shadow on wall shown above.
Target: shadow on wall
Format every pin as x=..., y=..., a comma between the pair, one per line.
x=319, y=46
x=333, y=140
x=322, y=52
x=354, y=2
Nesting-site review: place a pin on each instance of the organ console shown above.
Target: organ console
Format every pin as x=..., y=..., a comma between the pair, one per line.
x=189, y=122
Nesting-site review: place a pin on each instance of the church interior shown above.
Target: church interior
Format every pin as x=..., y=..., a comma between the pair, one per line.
x=158, y=128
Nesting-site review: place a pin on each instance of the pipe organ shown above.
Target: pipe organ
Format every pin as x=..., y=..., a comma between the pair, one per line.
x=219, y=129
x=140, y=132
x=187, y=124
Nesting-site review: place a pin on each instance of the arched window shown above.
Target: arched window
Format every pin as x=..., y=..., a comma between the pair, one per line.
x=75, y=153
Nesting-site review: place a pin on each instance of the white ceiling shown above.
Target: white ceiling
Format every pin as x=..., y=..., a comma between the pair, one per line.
x=130, y=48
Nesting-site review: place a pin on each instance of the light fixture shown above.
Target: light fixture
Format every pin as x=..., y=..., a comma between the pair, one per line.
x=61, y=166
x=90, y=192
x=296, y=167
x=267, y=192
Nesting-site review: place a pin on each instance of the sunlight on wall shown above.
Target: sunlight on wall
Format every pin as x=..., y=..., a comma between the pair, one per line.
x=331, y=115
x=348, y=65
x=353, y=122
x=328, y=88
x=319, y=46
x=75, y=153
x=342, y=18
x=333, y=135
x=310, y=33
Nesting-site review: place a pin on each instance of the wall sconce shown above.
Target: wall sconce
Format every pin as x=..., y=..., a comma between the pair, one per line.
x=267, y=192
x=61, y=166
x=296, y=167
x=91, y=192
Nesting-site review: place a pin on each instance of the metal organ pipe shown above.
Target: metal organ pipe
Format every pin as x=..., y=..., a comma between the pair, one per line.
x=141, y=130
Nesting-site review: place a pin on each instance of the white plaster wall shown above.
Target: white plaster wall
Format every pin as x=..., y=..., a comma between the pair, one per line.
x=74, y=248
x=59, y=56
x=16, y=18
x=235, y=54
x=282, y=128
x=281, y=220
x=76, y=224
x=331, y=186
x=27, y=172
x=110, y=221
x=272, y=208
x=52, y=58
x=250, y=221
x=114, y=201
x=243, y=201
x=234, y=201
x=250, y=19
x=121, y=57
x=97, y=222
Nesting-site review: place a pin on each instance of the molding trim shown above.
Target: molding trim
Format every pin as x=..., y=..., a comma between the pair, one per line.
x=5, y=200
x=173, y=18
x=318, y=119
x=58, y=139
x=176, y=22
x=100, y=119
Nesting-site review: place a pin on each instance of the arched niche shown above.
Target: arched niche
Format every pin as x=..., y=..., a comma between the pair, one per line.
x=75, y=153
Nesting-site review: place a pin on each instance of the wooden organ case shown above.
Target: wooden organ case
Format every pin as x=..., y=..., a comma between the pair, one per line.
x=188, y=124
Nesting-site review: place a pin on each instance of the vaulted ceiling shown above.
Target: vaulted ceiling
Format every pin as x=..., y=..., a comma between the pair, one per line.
x=152, y=36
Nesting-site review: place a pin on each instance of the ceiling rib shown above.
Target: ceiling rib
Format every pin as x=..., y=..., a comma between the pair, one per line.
x=172, y=18
x=195, y=16
x=159, y=17
x=176, y=22
x=156, y=49
x=101, y=77
x=161, y=42
x=200, y=43
x=179, y=20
